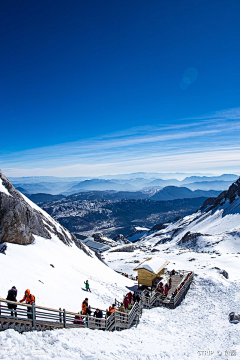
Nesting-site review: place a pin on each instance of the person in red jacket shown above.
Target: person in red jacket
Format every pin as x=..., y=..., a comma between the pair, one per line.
x=126, y=302
x=129, y=295
x=166, y=290
x=29, y=299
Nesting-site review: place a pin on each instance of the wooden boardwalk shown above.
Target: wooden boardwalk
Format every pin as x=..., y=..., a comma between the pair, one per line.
x=41, y=318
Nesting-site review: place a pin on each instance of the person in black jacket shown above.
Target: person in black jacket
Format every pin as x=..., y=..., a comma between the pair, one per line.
x=98, y=315
x=12, y=296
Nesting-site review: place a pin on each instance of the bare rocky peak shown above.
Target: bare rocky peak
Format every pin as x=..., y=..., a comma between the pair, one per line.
x=231, y=195
x=20, y=219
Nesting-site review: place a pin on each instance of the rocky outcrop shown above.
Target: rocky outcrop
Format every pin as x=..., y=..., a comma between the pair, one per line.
x=157, y=227
x=121, y=239
x=100, y=238
x=231, y=194
x=20, y=219
x=189, y=238
x=224, y=273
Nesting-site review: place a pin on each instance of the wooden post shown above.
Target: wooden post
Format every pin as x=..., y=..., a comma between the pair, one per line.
x=88, y=320
x=106, y=319
x=33, y=316
x=60, y=315
x=64, y=318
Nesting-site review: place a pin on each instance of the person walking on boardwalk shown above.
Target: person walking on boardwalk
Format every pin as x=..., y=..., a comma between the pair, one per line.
x=87, y=286
x=98, y=315
x=12, y=296
x=111, y=310
x=166, y=290
x=30, y=299
x=122, y=310
x=85, y=306
x=129, y=295
x=137, y=297
x=126, y=302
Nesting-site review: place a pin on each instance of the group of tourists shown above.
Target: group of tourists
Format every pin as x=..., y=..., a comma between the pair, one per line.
x=86, y=310
x=164, y=289
x=28, y=298
x=130, y=299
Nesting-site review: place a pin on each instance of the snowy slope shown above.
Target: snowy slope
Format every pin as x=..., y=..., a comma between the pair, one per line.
x=200, y=323
x=28, y=265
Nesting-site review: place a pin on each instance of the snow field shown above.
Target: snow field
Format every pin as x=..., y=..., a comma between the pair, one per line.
x=63, y=285
x=200, y=323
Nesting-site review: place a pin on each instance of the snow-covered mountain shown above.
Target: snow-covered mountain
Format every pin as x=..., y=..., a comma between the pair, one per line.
x=199, y=327
x=214, y=227
x=46, y=258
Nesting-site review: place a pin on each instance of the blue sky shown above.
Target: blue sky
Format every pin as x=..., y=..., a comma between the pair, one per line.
x=106, y=87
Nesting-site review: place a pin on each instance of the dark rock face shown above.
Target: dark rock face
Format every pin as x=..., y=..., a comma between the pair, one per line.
x=121, y=239
x=189, y=238
x=19, y=221
x=157, y=227
x=231, y=194
x=99, y=237
x=224, y=273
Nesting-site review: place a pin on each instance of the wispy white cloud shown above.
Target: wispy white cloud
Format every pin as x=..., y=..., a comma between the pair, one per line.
x=200, y=144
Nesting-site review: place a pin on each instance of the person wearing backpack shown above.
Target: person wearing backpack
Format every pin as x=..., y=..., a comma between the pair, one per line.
x=12, y=296
x=85, y=306
x=29, y=299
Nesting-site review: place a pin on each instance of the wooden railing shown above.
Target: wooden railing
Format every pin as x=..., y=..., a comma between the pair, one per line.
x=157, y=299
x=176, y=300
x=28, y=317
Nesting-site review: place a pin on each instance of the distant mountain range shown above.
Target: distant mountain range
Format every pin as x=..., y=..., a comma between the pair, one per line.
x=99, y=184
x=134, y=182
x=167, y=193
